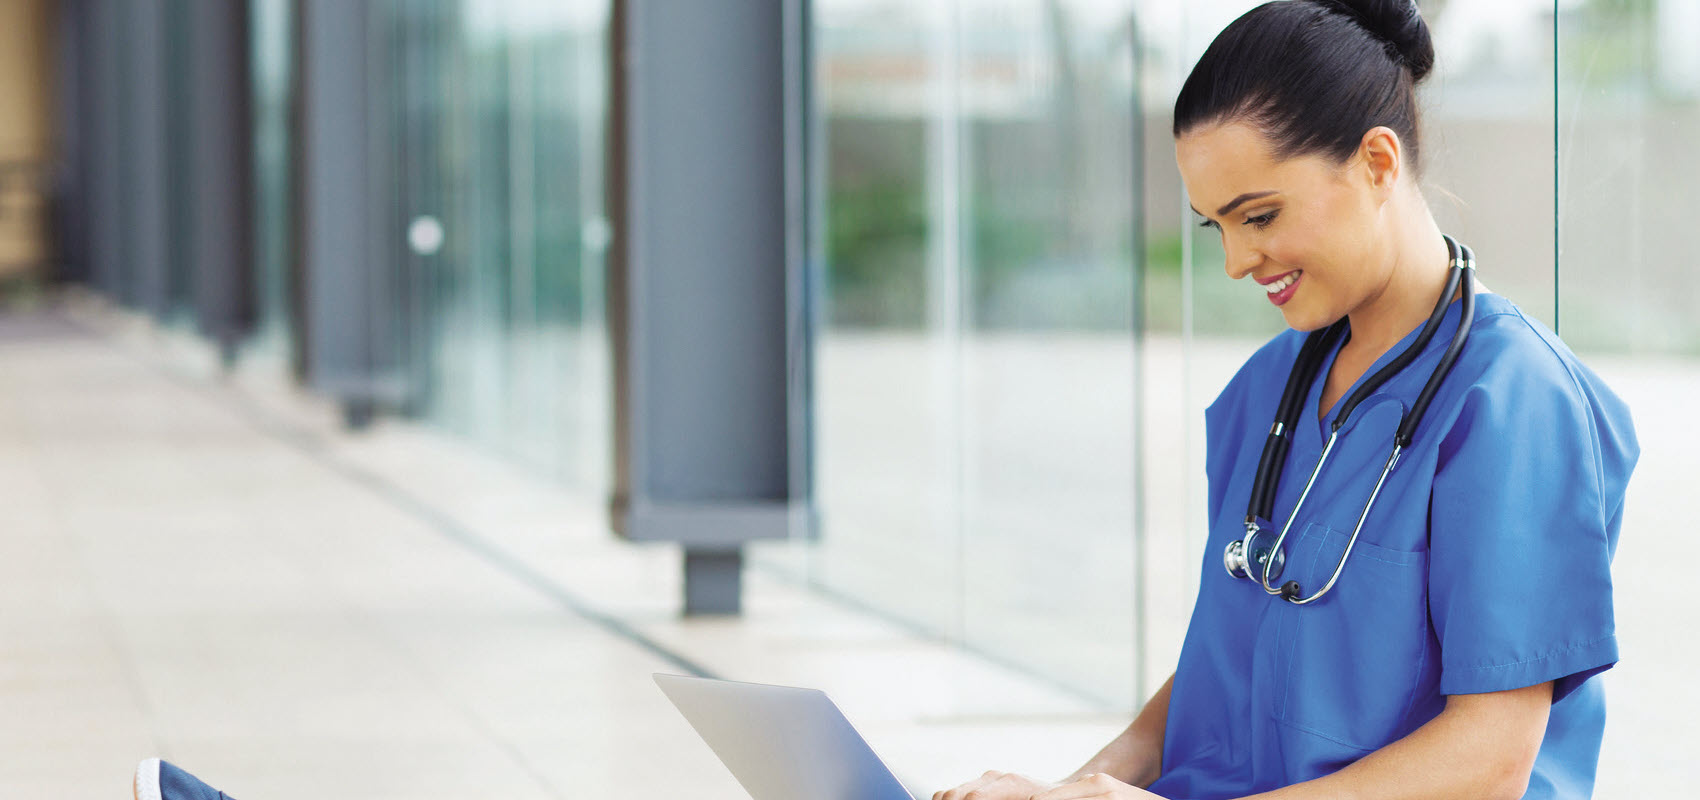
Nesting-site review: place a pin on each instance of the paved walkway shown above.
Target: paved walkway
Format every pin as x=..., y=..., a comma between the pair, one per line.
x=214, y=573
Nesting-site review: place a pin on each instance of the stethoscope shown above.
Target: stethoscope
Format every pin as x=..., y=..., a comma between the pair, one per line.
x=1251, y=557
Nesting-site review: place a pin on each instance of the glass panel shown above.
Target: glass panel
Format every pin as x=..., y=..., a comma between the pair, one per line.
x=1047, y=265
x=422, y=235
x=557, y=84
x=1629, y=109
x=1185, y=294
x=271, y=50
x=482, y=205
x=1489, y=143
x=975, y=368
x=887, y=368
x=497, y=111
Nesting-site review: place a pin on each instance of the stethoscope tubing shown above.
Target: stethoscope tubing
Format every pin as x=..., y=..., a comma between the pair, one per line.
x=1268, y=563
x=1401, y=440
x=1314, y=349
x=1290, y=590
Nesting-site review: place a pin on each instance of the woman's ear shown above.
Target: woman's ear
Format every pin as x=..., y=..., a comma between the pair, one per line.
x=1381, y=153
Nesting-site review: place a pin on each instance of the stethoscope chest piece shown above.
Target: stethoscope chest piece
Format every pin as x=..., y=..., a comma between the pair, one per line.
x=1251, y=556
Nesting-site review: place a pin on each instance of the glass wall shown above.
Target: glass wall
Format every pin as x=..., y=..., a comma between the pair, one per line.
x=1628, y=113
x=485, y=167
x=494, y=216
x=976, y=358
x=271, y=52
x=1016, y=295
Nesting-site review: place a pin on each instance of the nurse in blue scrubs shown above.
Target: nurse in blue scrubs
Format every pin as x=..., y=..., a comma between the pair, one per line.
x=1458, y=653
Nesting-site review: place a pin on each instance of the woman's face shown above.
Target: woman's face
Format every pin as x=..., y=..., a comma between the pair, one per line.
x=1303, y=228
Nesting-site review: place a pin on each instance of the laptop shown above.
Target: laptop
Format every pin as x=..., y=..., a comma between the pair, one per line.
x=782, y=742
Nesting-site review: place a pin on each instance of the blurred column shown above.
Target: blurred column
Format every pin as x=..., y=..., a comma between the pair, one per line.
x=111, y=103
x=347, y=292
x=101, y=51
x=705, y=287
x=142, y=158
x=71, y=32
x=219, y=128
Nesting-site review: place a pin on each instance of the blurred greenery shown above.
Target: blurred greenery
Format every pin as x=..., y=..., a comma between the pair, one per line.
x=1603, y=43
x=877, y=250
x=1220, y=306
x=876, y=272
x=876, y=253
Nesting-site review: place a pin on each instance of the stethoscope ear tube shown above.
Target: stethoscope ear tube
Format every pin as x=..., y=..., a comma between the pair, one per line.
x=1466, y=313
x=1315, y=348
x=1410, y=354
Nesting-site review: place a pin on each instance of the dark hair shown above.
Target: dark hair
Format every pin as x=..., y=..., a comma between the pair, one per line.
x=1314, y=75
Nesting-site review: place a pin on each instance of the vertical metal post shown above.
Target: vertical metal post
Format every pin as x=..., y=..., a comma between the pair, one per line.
x=707, y=306
x=220, y=115
x=71, y=31
x=104, y=182
x=142, y=256
x=349, y=293
x=713, y=581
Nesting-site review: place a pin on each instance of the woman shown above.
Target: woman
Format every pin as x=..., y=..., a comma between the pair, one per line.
x=1455, y=654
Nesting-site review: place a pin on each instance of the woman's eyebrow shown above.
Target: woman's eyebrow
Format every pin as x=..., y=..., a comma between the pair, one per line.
x=1233, y=204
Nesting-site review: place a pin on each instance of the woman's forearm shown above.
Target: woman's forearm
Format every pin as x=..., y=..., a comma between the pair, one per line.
x=1136, y=756
x=1481, y=747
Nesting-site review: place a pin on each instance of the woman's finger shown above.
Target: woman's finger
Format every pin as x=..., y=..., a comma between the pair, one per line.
x=961, y=791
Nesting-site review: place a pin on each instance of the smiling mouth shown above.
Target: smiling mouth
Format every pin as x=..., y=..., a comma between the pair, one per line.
x=1280, y=285
x=1281, y=289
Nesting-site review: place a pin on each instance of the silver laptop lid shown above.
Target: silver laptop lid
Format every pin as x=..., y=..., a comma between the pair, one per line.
x=782, y=742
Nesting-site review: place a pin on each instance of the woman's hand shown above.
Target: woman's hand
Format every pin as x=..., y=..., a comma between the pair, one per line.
x=1009, y=786
x=997, y=786
x=1101, y=786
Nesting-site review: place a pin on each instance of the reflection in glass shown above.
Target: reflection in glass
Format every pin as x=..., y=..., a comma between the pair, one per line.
x=496, y=110
x=886, y=359
x=975, y=368
x=271, y=48
x=1048, y=349
x=1628, y=113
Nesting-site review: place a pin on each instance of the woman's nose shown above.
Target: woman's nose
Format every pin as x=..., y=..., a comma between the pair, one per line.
x=1240, y=259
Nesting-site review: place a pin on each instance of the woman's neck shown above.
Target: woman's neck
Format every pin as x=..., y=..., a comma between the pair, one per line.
x=1416, y=278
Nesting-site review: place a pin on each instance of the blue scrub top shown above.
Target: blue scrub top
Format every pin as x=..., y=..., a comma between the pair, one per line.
x=1484, y=566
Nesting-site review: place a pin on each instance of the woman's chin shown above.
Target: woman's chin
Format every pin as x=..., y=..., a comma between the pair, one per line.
x=1305, y=320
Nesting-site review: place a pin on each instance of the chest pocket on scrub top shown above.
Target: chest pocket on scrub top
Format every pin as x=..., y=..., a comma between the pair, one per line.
x=1350, y=666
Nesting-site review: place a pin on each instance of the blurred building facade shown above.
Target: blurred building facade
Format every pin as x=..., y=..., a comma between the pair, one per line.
x=1012, y=322
x=26, y=81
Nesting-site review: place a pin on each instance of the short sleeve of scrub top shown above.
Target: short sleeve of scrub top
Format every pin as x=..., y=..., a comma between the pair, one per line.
x=1484, y=566
x=1523, y=524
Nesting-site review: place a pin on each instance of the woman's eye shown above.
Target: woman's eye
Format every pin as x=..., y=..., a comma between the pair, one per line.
x=1262, y=220
x=1209, y=223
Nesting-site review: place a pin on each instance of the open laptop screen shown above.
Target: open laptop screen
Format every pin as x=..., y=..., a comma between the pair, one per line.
x=782, y=742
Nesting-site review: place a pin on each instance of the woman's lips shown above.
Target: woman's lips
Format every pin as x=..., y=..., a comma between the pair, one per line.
x=1281, y=289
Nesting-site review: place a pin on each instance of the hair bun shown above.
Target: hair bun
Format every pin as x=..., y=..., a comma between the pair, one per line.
x=1400, y=24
